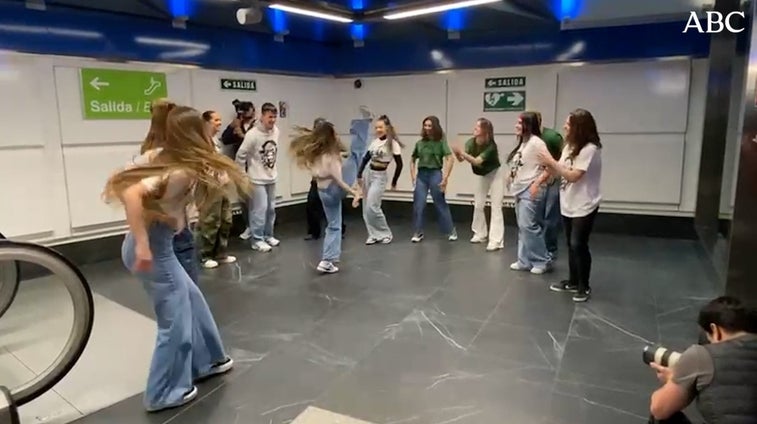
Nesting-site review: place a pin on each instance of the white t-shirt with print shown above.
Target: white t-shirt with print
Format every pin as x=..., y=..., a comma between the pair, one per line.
x=381, y=153
x=582, y=197
x=525, y=166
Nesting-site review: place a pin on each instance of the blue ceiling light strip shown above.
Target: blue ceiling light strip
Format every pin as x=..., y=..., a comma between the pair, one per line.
x=278, y=20
x=567, y=9
x=357, y=30
x=454, y=20
x=179, y=8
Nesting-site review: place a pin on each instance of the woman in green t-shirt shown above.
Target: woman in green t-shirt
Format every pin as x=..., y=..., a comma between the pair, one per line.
x=481, y=152
x=429, y=171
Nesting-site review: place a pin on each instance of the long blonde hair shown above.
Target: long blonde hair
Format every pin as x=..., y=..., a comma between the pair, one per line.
x=156, y=135
x=185, y=148
x=308, y=145
x=391, y=133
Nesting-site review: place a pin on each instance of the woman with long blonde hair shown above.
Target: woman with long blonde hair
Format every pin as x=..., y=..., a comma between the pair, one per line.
x=155, y=194
x=320, y=151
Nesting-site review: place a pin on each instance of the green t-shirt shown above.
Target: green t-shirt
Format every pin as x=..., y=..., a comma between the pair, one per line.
x=554, y=142
x=430, y=154
x=487, y=152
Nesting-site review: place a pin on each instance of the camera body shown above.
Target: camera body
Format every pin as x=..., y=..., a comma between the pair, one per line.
x=660, y=355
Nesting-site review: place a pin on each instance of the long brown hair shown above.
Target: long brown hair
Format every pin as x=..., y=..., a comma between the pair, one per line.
x=310, y=144
x=530, y=125
x=156, y=135
x=187, y=149
x=583, y=130
x=436, y=133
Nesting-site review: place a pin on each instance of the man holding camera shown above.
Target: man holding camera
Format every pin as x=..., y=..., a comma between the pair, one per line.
x=721, y=375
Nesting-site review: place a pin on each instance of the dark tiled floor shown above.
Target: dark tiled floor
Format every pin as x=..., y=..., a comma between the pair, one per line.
x=432, y=333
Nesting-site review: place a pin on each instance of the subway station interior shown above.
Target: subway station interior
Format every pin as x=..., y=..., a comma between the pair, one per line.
x=407, y=297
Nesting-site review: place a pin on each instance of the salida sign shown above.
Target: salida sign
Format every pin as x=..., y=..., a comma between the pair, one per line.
x=715, y=22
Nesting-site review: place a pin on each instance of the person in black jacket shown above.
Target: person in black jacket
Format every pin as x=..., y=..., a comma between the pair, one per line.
x=232, y=138
x=314, y=208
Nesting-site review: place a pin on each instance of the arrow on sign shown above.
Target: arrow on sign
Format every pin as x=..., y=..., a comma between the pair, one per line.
x=515, y=99
x=227, y=83
x=96, y=83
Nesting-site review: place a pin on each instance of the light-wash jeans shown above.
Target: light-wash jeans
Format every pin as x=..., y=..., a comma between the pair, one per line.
x=331, y=198
x=429, y=180
x=188, y=343
x=262, y=208
x=375, y=220
x=186, y=253
x=532, y=252
x=552, y=218
x=495, y=183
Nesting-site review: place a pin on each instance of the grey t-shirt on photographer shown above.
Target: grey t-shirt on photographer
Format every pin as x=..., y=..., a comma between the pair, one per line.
x=694, y=370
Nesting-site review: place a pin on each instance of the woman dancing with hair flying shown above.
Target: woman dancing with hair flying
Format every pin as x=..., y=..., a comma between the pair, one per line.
x=184, y=241
x=380, y=152
x=320, y=151
x=155, y=194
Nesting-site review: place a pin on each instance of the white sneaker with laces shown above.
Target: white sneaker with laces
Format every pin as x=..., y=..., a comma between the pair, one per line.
x=327, y=267
x=210, y=264
x=246, y=234
x=261, y=246
x=228, y=260
x=272, y=241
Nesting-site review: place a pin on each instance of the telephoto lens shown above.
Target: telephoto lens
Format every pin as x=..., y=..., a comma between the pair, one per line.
x=659, y=355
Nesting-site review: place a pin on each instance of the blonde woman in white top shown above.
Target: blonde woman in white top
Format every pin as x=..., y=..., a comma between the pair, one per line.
x=320, y=151
x=382, y=150
x=155, y=195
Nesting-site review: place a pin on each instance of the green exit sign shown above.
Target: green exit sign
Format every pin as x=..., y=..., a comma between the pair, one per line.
x=505, y=82
x=238, y=84
x=120, y=94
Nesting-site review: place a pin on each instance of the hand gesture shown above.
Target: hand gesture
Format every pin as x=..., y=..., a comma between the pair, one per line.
x=143, y=261
x=443, y=185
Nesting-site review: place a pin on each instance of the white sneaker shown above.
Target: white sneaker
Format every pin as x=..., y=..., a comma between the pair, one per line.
x=327, y=267
x=516, y=266
x=386, y=240
x=210, y=264
x=261, y=246
x=477, y=239
x=246, y=234
x=417, y=238
x=371, y=240
x=453, y=236
x=272, y=241
x=493, y=247
x=228, y=260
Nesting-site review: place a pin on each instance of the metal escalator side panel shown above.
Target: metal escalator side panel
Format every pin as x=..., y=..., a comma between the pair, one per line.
x=8, y=410
x=81, y=297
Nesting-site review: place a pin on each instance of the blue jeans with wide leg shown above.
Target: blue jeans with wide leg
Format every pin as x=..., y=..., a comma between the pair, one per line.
x=429, y=180
x=529, y=212
x=188, y=343
x=331, y=198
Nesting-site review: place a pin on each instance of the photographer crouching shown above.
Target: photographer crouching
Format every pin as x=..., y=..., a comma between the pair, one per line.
x=720, y=374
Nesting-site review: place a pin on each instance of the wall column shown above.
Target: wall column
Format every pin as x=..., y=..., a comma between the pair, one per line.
x=741, y=279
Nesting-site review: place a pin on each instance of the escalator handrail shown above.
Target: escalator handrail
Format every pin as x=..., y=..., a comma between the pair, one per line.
x=6, y=303
x=64, y=368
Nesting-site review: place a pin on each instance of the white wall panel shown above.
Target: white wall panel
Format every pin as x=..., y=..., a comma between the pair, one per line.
x=27, y=192
x=87, y=169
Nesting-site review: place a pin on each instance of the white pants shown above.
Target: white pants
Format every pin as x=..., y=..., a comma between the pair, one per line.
x=492, y=182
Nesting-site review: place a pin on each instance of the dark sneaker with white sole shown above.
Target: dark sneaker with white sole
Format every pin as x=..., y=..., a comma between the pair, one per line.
x=582, y=296
x=563, y=287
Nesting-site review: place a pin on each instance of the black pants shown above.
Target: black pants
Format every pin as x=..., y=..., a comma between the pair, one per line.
x=577, y=232
x=315, y=214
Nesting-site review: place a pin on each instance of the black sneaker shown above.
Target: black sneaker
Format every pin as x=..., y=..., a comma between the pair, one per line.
x=582, y=296
x=563, y=286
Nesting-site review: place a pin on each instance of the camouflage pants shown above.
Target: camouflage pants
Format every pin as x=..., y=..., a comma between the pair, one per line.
x=214, y=227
